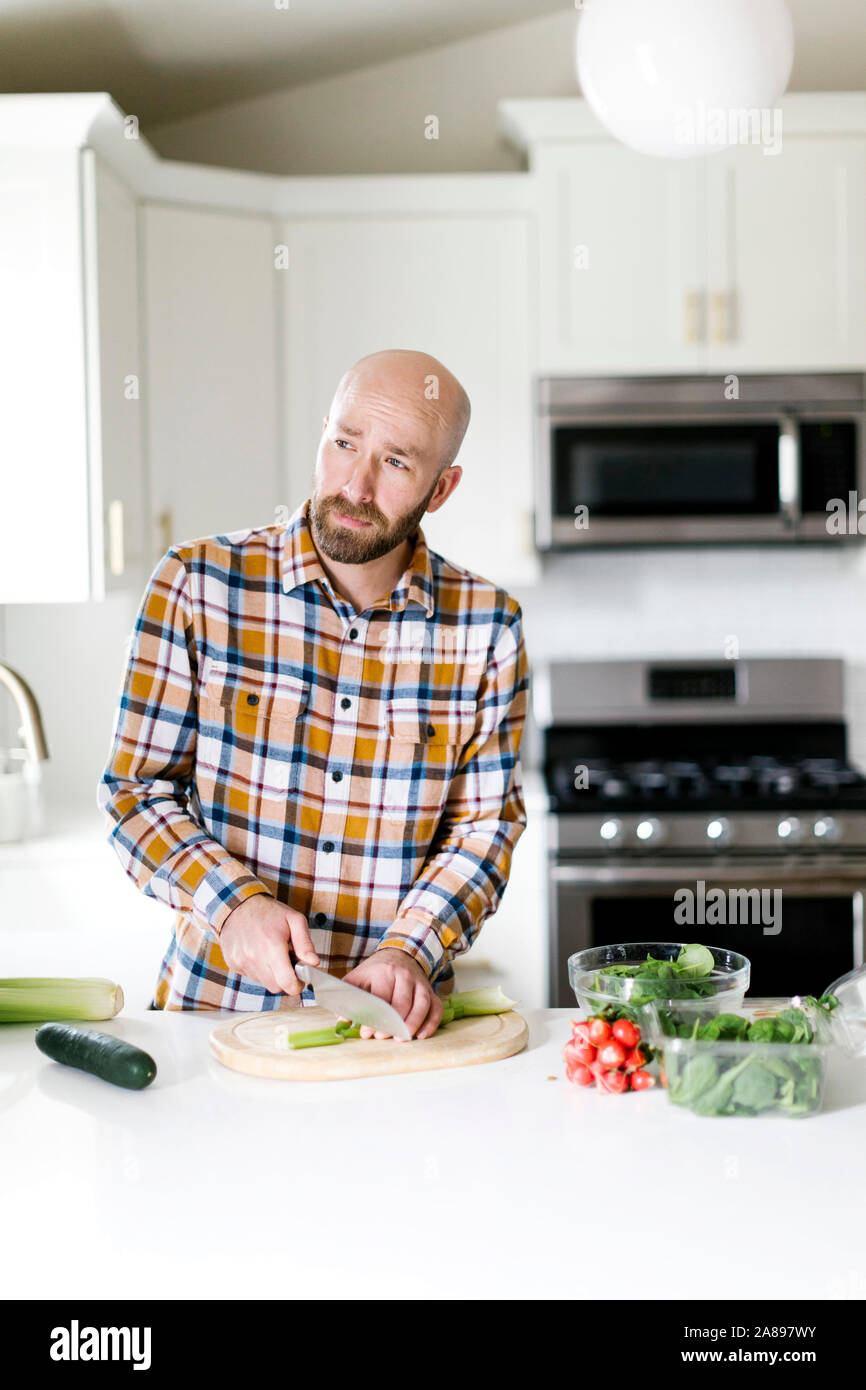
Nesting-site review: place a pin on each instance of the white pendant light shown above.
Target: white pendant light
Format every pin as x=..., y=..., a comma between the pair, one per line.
x=680, y=78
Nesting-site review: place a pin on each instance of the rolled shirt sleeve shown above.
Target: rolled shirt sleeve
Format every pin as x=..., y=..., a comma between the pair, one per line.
x=145, y=787
x=465, y=873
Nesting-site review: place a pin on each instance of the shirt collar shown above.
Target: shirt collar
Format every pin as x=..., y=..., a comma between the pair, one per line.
x=301, y=563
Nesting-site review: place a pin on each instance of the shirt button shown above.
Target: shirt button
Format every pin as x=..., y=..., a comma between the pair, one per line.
x=345, y=702
x=320, y=919
x=337, y=776
x=328, y=846
x=353, y=632
x=252, y=699
x=430, y=730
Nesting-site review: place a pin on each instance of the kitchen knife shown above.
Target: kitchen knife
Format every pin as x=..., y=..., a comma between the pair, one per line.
x=350, y=1002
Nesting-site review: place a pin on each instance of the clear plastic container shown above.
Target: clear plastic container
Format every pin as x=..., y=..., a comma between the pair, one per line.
x=728, y=1077
x=723, y=988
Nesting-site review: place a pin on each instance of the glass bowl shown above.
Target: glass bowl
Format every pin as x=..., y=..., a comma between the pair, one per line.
x=722, y=989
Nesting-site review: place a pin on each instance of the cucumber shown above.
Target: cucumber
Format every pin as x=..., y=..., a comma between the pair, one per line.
x=109, y=1058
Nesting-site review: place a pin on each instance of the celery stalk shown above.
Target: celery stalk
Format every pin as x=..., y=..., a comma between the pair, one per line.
x=56, y=1000
x=472, y=1003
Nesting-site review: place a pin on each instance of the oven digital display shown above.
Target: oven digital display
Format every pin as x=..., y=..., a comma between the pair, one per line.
x=692, y=683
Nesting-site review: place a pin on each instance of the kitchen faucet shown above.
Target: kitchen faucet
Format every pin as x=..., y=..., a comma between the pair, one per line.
x=31, y=730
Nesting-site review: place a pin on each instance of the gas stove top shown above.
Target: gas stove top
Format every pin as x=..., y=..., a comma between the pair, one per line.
x=735, y=756
x=757, y=782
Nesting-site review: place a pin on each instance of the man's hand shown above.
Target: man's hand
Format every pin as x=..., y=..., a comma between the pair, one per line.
x=256, y=938
x=398, y=979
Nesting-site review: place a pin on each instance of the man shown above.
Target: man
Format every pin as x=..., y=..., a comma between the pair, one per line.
x=316, y=750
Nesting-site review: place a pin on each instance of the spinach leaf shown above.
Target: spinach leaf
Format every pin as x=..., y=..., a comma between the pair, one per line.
x=697, y=1076
x=762, y=1030
x=755, y=1087
x=694, y=960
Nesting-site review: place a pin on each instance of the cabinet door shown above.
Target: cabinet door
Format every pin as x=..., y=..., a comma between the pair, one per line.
x=454, y=286
x=621, y=261
x=45, y=550
x=785, y=237
x=211, y=364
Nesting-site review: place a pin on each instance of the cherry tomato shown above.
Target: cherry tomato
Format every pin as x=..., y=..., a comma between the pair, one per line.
x=613, y=1082
x=599, y=1032
x=642, y=1081
x=612, y=1055
x=626, y=1033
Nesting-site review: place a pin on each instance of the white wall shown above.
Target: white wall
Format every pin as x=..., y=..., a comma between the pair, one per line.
x=372, y=121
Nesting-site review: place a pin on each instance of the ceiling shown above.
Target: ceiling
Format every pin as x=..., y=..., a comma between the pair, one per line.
x=165, y=59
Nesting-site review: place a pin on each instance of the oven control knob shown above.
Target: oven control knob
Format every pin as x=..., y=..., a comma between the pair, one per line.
x=789, y=830
x=827, y=829
x=611, y=831
x=648, y=830
x=719, y=831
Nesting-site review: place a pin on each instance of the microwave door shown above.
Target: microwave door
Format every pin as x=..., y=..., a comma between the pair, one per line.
x=650, y=481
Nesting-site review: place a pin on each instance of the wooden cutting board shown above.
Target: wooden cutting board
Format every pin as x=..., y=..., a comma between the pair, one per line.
x=255, y=1044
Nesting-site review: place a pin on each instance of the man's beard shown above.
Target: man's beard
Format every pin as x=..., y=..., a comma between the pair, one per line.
x=350, y=546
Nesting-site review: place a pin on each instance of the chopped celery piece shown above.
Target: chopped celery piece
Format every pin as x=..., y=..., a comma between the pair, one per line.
x=315, y=1037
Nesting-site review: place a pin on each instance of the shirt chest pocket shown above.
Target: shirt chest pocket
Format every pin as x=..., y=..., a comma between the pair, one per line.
x=440, y=727
x=260, y=715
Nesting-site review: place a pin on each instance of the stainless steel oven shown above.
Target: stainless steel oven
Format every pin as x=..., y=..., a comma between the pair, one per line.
x=664, y=460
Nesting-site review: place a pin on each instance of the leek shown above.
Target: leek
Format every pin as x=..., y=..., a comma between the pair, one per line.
x=471, y=1003
x=56, y=1000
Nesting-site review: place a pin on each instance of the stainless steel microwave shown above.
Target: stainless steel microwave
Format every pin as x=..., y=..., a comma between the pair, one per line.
x=684, y=460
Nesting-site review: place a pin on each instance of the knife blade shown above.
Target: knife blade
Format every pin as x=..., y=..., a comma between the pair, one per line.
x=350, y=1002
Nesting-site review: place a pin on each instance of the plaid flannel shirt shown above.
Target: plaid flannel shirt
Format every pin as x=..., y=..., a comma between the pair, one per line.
x=362, y=768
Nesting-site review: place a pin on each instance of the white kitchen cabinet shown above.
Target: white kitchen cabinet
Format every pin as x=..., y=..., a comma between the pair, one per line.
x=69, y=438
x=452, y=284
x=212, y=361
x=620, y=261
x=786, y=270
x=738, y=260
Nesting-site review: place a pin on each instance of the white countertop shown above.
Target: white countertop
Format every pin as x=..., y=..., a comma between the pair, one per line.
x=480, y=1181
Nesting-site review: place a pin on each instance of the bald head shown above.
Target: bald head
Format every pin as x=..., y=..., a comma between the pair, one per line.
x=414, y=382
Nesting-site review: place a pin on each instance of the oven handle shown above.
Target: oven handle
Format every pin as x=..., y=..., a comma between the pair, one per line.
x=813, y=879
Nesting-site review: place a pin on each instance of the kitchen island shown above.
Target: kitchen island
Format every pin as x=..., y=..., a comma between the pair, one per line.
x=501, y=1181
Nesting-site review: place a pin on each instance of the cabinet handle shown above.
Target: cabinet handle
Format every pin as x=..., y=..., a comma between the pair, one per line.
x=694, y=317
x=116, y=562
x=720, y=324
x=165, y=529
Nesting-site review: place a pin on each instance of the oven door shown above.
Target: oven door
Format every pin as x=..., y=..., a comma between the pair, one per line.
x=810, y=934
